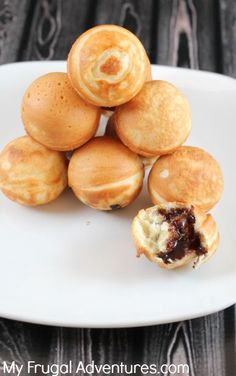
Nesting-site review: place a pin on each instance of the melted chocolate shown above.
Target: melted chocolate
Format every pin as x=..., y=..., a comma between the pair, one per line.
x=183, y=237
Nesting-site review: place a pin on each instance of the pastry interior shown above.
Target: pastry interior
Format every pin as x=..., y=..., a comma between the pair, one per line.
x=170, y=234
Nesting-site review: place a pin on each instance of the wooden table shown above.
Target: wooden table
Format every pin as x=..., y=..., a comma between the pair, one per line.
x=198, y=34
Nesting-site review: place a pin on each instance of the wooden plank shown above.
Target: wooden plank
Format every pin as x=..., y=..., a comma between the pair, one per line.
x=55, y=26
x=168, y=345
x=207, y=22
x=12, y=343
x=190, y=342
x=44, y=31
x=156, y=341
x=176, y=34
x=162, y=32
x=201, y=344
x=182, y=27
x=75, y=19
x=21, y=343
x=230, y=339
x=70, y=344
x=13, y=16
x=206, y=338
x=101, y=346
x=227, y=10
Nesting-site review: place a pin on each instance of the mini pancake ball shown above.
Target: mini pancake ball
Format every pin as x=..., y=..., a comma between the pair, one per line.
x=111, y=132
x=108, y=65
x=156, y=121
x=174, y=234
x=55, y=115
x=31, y=174
x=189, y=175
x=105, y=175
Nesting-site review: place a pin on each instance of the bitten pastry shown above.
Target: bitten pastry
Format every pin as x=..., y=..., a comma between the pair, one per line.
x=189, y=175
x=55, y=115
x=31, y=174
x=105, y=175
x=111, y=132
x=156, y=121
x=108, y=65
x=174, y=234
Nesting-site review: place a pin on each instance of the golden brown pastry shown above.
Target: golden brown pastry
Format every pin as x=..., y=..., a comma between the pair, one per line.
x=111, y=132
x=55, y=115
x=156, y=121
x=108, y=65
x=109, y=111
x=173, y=234
x=30, y=173
x=105, y=175
x=189, y=175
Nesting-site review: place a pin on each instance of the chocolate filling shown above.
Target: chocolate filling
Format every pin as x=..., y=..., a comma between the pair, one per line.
x=183, y=238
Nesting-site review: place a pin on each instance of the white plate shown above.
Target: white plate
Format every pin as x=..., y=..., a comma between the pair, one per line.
x=66, y=264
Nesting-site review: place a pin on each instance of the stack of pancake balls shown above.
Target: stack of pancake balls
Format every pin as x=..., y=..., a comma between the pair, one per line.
x=108, y=71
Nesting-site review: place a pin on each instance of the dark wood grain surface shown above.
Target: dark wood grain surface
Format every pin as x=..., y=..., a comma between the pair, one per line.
x=199, y=34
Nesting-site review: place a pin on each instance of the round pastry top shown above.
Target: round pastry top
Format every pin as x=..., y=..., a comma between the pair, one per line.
x=156, y=121
x=107, y=65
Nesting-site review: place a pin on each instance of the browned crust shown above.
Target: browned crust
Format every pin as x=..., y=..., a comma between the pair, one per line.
x=31, y=174
x=109, y=46
x=194, y=177
x=54, y=114
x=104, y=173
x=156, y=121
